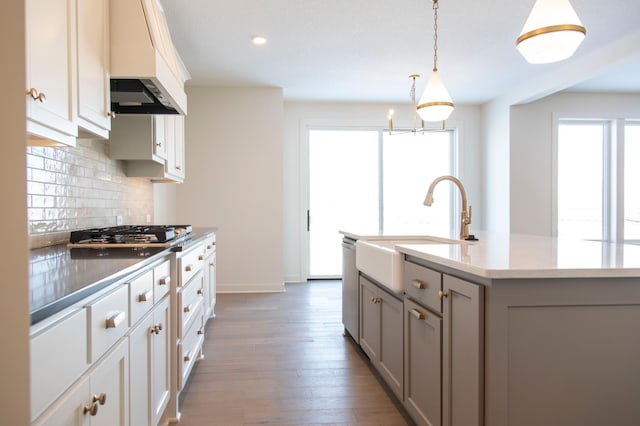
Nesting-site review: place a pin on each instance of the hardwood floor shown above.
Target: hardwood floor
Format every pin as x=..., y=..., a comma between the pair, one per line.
x=281, y=359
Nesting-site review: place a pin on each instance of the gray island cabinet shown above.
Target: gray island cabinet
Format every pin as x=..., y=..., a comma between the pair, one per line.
x=516, y=330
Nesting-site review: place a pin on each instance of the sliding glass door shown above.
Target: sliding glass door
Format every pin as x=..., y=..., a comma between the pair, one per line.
x=366, y=181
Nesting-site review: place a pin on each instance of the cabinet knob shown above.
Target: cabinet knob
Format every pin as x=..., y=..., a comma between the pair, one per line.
x=187, y=308
x=187, y=357
x=178, y=167
x=200, y=292
x=101, y=398
x=111, y=114
x=188, y=268
x=33, y=93
x=443, y=294
x=91, y=409
x=200, y=332
x=156, y=329
x=201, y=257
x=42, y=97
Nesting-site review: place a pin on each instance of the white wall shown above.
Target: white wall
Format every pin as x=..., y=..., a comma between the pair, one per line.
x=298, y=115
x=234, y=181
x=532, y=150
x=14, y=303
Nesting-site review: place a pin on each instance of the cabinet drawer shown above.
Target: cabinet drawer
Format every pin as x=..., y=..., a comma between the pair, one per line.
x=140, y=296
x=423, y=285
x=189, y=264
x=209, y=245
x=189, y=349
x=161, y=280
x=58, y=357
x=190, y=301
x=108, y=321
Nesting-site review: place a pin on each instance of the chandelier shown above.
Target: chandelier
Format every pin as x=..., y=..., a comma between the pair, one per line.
x=435, y=103
x=551, y=33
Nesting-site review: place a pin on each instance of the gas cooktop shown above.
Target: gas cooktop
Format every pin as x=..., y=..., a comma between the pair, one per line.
x=129, y=236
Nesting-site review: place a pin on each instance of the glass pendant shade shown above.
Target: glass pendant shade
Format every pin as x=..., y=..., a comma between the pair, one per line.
x=552, y=32
x=435, y=103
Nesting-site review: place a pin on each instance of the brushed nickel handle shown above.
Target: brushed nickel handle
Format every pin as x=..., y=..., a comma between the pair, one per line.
x=443, y=294
x=416, y=313
x=188, y=268
x=164, y=281
x=418, y=284
x=92, y=409
x=146, y=296
x=115, y=320
x=101, y=398
x=188, y=308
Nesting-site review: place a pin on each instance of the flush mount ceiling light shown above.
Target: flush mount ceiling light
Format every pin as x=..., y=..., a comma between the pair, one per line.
x=435, y=103
x=552, y=32
x=259, y=40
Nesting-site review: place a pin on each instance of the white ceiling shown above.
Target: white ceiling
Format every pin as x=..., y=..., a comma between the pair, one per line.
x=364, y=50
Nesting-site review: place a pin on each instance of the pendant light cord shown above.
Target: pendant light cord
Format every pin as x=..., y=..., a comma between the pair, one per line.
x=435, y=35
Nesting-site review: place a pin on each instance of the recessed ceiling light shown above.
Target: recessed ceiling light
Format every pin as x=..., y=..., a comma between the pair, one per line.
x=258, y=39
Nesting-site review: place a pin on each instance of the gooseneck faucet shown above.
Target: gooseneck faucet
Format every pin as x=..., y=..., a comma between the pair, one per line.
x=465, y=216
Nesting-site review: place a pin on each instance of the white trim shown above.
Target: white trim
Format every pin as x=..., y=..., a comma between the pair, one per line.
x=250, y=287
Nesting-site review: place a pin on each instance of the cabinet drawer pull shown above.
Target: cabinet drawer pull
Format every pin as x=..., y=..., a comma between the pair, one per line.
x=416, y=313
x=200, y=332
x=116, y=319
x=91, y=409
x=178, y=167
x=146, y=296
x=418, y=284
x=201, y=257
x=188, y=268
x=209, y=247
x=156, y=329
x=443, y=294
x=212, y=264
x=164, y=280
x=200, y=292
x=187, y=308
x=187, y=357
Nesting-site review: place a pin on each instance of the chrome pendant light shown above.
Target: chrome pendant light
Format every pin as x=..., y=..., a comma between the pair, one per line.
x=552, y=32
x=435, y=103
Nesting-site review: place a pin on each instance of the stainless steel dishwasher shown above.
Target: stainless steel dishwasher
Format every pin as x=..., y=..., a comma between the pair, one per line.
x=350, y=289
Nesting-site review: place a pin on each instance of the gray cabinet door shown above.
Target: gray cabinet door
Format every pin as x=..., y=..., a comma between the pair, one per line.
x=423, y=363
x=350, y=311
x=462, y=352
x=369, y=319
x=390, y=357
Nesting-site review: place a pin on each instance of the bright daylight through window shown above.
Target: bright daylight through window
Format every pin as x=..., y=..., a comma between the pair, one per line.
x=368, y=180
x=596, y=159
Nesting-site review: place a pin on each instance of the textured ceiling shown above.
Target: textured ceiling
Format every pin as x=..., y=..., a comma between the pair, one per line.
x=357, y=50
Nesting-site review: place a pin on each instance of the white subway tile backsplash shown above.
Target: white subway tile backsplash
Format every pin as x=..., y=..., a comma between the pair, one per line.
x=80, y=187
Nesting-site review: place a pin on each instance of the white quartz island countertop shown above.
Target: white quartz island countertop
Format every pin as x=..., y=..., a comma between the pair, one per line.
x=504, y=256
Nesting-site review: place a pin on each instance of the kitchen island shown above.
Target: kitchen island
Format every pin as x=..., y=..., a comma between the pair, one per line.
x=517, y=330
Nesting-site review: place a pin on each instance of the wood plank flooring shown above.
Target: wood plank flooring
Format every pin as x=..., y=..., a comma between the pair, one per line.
x=281, y=359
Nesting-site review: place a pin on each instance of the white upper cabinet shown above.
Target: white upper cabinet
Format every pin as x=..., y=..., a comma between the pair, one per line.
x=94, y=104
x=50, y=72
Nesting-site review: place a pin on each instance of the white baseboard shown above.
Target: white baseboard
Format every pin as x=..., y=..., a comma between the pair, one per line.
x=250, y=287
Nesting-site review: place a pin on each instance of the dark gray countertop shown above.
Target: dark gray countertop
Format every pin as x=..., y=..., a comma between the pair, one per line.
x=60, y=276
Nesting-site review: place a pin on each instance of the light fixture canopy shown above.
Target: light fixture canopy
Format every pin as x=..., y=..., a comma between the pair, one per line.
x=551, y=33
x=435, y=103
x=258, y=39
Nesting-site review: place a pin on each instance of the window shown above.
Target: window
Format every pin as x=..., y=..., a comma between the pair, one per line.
x=367, y=180
x=597, y=196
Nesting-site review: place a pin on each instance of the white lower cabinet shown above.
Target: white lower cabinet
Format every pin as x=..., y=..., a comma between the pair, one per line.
x=149, y=366
x=381, y=333
x=99, y=398
x=210, y=276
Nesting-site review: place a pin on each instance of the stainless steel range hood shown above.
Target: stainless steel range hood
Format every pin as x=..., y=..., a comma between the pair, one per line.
x=147, y=75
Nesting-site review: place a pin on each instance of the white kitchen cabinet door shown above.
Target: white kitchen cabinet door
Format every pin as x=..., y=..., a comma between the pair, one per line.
x=69, y=410
x=50, y=72
x=175, y=156
x=110, y=383
x=94, y=103
x=161, y=360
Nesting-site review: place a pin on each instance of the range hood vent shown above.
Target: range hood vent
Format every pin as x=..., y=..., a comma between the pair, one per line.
x=147, y=75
